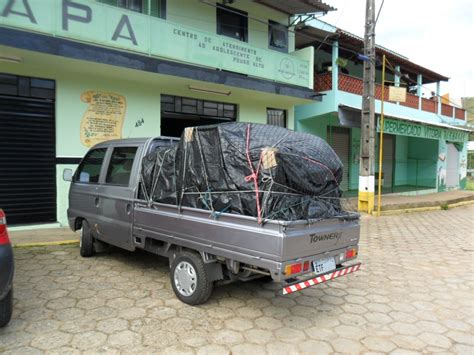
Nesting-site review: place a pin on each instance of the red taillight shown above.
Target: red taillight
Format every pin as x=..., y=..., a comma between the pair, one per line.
x=3, y=229
x=351, y=253
x=297, y=268
x=293, y=269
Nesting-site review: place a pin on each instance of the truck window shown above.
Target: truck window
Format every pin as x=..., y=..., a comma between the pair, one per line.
x=89, y=169
x=120, y=166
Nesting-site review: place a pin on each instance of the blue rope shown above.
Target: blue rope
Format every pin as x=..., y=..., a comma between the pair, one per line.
x=216, y=215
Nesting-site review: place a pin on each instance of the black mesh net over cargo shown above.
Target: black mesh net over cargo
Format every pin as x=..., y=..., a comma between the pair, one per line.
x=255, y=170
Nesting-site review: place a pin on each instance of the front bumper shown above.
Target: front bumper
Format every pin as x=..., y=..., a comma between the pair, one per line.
x=315, y=280
x=6, y=269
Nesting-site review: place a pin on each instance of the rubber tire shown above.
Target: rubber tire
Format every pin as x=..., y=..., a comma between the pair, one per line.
x=6, y=308
x=86, y=248
x=204, y=286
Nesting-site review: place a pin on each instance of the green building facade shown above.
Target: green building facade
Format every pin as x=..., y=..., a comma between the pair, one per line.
x=74, y=73
x=425, y=139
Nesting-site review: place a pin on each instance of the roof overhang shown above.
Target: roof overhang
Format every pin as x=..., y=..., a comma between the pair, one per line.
x=295, y=7
x=429, y=76
x=309, y=35
x=321, y=32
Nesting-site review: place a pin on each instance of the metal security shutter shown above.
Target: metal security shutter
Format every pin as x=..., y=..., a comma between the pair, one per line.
x=339, y=139
x=452, y=166
x=387, y=162
x=27, y=159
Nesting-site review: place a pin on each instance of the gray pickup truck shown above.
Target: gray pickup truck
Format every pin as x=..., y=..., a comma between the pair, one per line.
x=106, y=205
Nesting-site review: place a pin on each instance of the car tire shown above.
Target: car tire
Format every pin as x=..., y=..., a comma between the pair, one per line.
x=189, y=279
x=6, y=308
x=86, y=241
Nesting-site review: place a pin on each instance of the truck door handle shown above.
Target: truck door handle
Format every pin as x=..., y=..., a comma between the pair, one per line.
x=129, y=208
x=96, y=201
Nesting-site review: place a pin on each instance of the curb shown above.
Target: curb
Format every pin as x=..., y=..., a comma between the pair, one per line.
x=422, y=209
x=45, y=244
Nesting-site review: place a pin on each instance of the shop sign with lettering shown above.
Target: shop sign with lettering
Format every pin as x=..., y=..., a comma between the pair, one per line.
x=406, y=128
x=97, y=23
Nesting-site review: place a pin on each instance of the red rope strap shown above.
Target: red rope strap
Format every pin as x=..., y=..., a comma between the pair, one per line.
x=324, y=166
x=254, y=175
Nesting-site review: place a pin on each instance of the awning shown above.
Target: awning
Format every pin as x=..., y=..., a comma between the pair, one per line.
x=350, y=117
x=294, y=7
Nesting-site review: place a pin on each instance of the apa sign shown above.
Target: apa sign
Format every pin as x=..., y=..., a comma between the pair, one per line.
x=110, y=26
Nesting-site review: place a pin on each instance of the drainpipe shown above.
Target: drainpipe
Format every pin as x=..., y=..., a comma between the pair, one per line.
x=438, y=96
x=419, y=81
x=335, y=69
x=397, y=78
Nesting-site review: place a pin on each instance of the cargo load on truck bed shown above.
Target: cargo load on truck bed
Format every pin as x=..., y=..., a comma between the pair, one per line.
x=263, y=171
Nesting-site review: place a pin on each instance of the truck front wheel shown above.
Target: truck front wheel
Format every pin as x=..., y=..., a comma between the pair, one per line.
x=189, y=279
x=6, y=308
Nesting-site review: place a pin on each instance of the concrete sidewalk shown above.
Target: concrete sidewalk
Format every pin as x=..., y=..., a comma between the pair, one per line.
x=391, y=204
x=438, y=200
x=39, y=237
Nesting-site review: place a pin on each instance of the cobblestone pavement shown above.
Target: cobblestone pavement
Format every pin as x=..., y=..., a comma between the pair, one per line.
x=414, y=294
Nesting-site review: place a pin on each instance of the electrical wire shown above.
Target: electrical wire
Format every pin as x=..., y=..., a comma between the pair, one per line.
x=335, y=25
x=265, y=22
x=378, y=14
x=321, y=42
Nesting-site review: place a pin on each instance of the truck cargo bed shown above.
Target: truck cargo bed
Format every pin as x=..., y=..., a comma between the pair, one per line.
x=241, y=238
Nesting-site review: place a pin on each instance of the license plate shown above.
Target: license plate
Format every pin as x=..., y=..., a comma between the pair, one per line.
x=324, y=265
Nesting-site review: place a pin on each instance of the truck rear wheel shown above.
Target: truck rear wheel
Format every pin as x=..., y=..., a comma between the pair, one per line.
x=86, y=241
x=189, y=279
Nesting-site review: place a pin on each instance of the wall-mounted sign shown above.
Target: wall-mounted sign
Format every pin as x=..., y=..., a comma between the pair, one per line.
x=97, y=23
x=103, y=119
x=397, y=93
x=406, y=128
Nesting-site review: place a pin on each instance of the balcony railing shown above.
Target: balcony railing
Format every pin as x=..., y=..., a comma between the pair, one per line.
x=354, y=85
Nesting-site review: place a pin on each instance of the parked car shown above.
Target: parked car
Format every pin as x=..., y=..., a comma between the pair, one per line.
x=6, y=273
x=201, y=250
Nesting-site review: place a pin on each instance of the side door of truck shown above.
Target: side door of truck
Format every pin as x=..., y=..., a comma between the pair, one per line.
x=83, y=200
x=116, y=195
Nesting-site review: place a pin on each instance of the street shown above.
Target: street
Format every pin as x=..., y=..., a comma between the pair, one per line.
x=414, y=293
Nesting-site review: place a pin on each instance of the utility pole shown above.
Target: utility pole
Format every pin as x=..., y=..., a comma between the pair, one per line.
x=367, y=133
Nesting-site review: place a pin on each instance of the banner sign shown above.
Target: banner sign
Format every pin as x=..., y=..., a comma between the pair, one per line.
x=406, y=128
x=105, y=25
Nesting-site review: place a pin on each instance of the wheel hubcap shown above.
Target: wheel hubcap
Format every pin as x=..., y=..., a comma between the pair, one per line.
x=80, y=237
x=185, y=278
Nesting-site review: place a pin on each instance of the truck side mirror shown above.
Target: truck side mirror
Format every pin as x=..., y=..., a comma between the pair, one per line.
x=67, y=175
